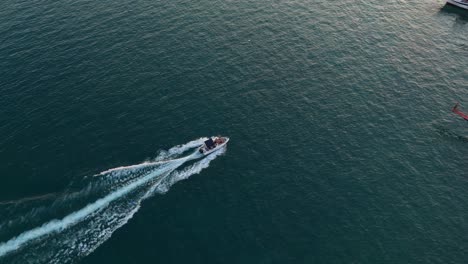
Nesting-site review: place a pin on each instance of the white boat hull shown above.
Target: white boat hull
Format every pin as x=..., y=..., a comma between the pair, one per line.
x=460, y=3
x=206, y=152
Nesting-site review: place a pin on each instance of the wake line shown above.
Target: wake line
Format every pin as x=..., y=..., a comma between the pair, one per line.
x=32, y=198
x=163, y=157
x=176, y=176
x=139, y=166
x=74, y=218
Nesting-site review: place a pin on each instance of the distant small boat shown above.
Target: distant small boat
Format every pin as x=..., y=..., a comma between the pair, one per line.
x=460, y=3
x=460, y=113
x=213, y=144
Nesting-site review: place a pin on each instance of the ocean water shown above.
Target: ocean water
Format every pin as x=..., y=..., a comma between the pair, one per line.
x=343, y=148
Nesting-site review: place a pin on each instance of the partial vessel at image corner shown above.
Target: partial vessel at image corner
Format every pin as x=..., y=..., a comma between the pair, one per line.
x=460, y=3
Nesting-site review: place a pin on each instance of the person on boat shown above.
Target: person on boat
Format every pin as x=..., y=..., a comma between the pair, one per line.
x=460, y=113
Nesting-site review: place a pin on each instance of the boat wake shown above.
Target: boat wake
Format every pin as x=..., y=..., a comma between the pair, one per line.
x=81, y=226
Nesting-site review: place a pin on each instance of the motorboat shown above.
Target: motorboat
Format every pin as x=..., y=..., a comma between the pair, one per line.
x=212, y=144
x=460, y=3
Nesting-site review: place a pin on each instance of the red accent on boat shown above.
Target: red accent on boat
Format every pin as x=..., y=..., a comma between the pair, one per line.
x=458, y=112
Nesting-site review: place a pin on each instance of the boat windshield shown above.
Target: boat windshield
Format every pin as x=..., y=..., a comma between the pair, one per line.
x=209, y=143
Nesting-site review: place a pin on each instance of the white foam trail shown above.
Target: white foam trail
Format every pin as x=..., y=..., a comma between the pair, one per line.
x=131, y=167
x=186, y=172
x=173, y=177
x=81, y=232
x=138, y=166
x=73, y=218
x=27, y=199
x=179, y=149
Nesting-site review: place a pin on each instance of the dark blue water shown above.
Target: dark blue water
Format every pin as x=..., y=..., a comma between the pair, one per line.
x=342, y=145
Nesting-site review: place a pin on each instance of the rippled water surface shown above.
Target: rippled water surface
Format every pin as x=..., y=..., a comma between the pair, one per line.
x=343, y=148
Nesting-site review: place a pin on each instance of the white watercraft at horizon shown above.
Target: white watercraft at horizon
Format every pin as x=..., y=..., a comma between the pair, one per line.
x=212, y=144
x=460, y=3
